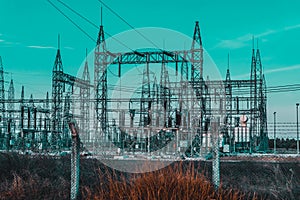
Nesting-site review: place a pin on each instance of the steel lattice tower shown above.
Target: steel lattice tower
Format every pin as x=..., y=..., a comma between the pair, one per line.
x=145, y=103
x=57, y=97
x=183, y=95
x=85, y=104
x=2, y=104
x=253, y=96
x=22, y=111
x=198, y=104
x=197, y=55
x=100, y=83
x=11, y=97
x=10, y=110
x=183, y=120
x=261, y=95
x=67, y=116
x=165, y=94
x=188, y=99
x=47, y=124
x=264, y=125
x=2, y=91
x=228, y=101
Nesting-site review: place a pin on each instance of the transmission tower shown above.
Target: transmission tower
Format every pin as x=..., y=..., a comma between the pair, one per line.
x=184, y=106
x=47, y=124
x=2, y=91
x=198, y=104
x=145, y=102
x=100, y=83
x=264, y=125
x=165, y=95
x=261, y=95
x=57, y=98
x=11, y=110
x=67, y=116
x=253, y=96
x=228, y=104
x=184, y=94
x=85, y=104
x=2, y=104
x=11, y=97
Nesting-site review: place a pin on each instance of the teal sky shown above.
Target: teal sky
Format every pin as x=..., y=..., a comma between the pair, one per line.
x=29, y=29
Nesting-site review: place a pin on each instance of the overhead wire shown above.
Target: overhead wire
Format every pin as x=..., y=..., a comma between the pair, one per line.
x=273, y=89
x=93, y=24
x=74, y=23
x=132, y=27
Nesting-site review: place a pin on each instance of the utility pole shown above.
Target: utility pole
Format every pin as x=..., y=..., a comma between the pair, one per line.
x=75, y=159
x=274, y=132
x=297, y=107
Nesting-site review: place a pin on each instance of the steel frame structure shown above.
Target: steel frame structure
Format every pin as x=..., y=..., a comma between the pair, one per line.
x=188, y=105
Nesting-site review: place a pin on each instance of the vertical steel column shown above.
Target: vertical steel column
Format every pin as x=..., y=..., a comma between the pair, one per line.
x=264, y=122
x=11, y=97
x=215, y=125
x=85, y=104
x=21, y=134
x=253, y=99
x=67, y=115
x=100, y=84
x=75, y=161
x=297, y=110
x=2, y=104
x=145, y=102
x=228, y=105
x=57, y=97
x=165, y=93
x=10, y=109
x=263, y=143
x=47, y=124
x=274, y=132
x=198, y=84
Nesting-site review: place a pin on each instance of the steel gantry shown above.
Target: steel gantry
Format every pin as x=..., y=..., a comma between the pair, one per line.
x=195, y=104
x=61, y=102
x=163, y=112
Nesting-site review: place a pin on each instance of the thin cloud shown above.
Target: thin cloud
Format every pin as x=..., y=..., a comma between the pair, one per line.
x=292, y=27
x=269, y=32
x=282, y=69
x=2, y=40
x=70, y=48
x=232, y=44
x=241, y=76
x=269, y=71
x=40, y=47
x=242, y=40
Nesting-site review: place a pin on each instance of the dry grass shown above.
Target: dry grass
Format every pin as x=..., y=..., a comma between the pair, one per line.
x=23, y=177
x=172, y=182
x=33, y=187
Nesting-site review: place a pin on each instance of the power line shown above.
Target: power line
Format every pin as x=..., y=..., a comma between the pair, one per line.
x=93, y=24
x=77, y=13
x=115, y=13
x=74, y=23
x=272, y=89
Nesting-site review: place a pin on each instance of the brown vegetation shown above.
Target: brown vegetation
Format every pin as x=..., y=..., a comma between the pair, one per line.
x=24, y=177
x=173, y=182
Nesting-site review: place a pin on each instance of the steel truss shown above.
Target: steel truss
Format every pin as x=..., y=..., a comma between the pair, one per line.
x=175, y=114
